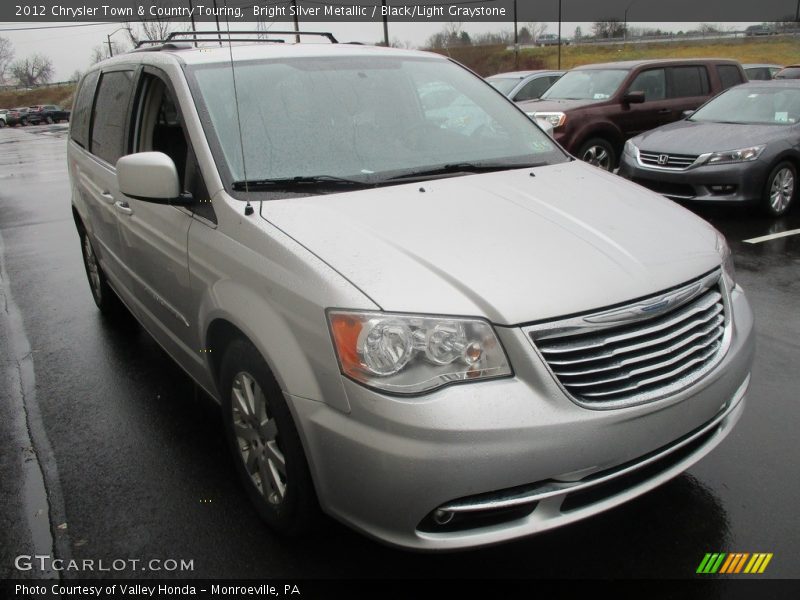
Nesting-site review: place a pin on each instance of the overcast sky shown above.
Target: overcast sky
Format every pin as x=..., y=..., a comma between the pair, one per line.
x=71, y=48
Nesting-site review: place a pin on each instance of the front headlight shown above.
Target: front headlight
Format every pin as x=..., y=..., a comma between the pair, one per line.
x=735, y=156
x=410, y=354
x=556, y=119
x=728, y=269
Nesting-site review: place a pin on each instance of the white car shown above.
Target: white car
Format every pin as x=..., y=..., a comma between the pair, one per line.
x=444, y=332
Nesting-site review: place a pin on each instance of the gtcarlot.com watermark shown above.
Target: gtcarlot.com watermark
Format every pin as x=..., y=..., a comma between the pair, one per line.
x=46, y=563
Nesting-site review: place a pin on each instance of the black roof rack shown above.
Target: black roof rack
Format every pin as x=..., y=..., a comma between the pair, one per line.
x=224, y=36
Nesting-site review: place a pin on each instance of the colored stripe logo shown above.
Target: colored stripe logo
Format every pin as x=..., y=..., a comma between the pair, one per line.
x=733, y=563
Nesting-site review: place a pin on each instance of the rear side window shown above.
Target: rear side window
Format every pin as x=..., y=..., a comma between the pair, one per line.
x=729, y=76
x=79, y=129
x=533, y=89
x=689, y=81
x=110, y=115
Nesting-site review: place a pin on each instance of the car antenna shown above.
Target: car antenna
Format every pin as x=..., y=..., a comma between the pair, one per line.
x=248, y=209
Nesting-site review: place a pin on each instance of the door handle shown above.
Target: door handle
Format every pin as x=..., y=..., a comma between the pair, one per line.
x=664, y=111
x=107, y=197
x=123, y=207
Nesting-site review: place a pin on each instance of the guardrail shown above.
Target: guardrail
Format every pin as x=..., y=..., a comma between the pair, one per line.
x=38, y=86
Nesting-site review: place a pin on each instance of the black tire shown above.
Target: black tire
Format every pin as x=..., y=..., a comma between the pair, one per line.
x=49, y=120
x=2, y=123
x=600, y=153
x=780, y=189
x=104, y=297
x=294, y=510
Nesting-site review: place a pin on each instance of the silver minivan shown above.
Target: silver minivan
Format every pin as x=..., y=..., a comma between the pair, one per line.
x=419, y=314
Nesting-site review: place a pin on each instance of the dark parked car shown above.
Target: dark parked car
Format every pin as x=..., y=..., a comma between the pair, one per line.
x=762, y=29
x=789, y=72
x=524, y=85
x=550, y=39
x=742, y=146
x=595, y=108
x=761, y=72
x=21, y=116
x=50, y=113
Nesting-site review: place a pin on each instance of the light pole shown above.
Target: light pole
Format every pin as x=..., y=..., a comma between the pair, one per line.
x=559, y=34
x=108, y=41
x=625, y=21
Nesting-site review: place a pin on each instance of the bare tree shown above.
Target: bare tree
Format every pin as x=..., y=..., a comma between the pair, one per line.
x=535, y=29
x=608, y=29
x=157, y=29
x=6, y=56
x=33, y=70
x=76, y=75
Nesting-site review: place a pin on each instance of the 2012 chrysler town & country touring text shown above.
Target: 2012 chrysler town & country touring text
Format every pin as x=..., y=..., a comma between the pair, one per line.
x=436, y=327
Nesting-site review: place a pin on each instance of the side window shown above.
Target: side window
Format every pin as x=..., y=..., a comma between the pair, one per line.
x=110, y=115
x=729, y=76
x=652, y=83
x=79, y=127
x=688, y=82
x=533, y=89
x=159, y=129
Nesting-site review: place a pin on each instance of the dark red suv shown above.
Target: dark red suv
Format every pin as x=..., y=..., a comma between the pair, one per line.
x=595, y=108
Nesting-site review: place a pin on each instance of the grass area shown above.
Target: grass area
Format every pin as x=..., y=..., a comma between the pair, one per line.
x=60, y=95
x=488, y=60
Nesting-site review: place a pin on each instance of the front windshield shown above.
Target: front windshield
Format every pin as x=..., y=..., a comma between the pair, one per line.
x=586, y=84
x=503, y=85
x=362, y=118
x=748, y=105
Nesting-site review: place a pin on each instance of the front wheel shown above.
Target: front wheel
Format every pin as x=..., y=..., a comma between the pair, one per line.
x=600, y=153
x=267, y=450
x=49, y=120
x=780, y=189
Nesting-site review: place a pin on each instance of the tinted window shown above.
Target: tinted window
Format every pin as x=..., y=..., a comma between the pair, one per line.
x=652, y=83
x=110, y=115
x=788, y=73
x=729, y=76
x=689, y=81
x=533, y=89
x=758, y=73
x=79, y=129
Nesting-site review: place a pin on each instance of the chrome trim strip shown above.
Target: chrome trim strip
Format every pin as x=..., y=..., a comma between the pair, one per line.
x=550, y=489
x=700, y=160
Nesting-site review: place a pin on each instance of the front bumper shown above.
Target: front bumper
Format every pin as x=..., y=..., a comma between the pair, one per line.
x=509, y=457
x=738, y=182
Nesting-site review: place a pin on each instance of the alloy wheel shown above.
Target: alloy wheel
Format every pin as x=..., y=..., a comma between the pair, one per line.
x=92, y=268
x=597, y=156
x=781, y=190
x=257, y=438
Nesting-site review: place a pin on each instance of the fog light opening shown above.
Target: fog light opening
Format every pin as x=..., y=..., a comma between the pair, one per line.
x=442, y=517
x=722, y=190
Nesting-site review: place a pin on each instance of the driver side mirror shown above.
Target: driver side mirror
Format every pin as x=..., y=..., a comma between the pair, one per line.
x=150, y=177
x=633, y=98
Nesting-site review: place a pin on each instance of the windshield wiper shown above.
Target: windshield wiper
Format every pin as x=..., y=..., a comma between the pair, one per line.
x=462, y=167
x=283, y=183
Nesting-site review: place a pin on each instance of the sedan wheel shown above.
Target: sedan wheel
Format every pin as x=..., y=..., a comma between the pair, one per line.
x=780, y=189
x=600, y=153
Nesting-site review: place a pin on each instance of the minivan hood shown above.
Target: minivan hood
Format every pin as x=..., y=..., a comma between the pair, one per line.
x=512, y=246
x=554, y=105
x=698, y=137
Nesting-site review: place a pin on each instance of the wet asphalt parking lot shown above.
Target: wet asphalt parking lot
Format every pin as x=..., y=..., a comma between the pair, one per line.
x=129, y=461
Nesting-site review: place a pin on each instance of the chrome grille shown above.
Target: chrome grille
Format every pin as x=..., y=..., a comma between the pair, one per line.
x=667, y=161
x=641, y=351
